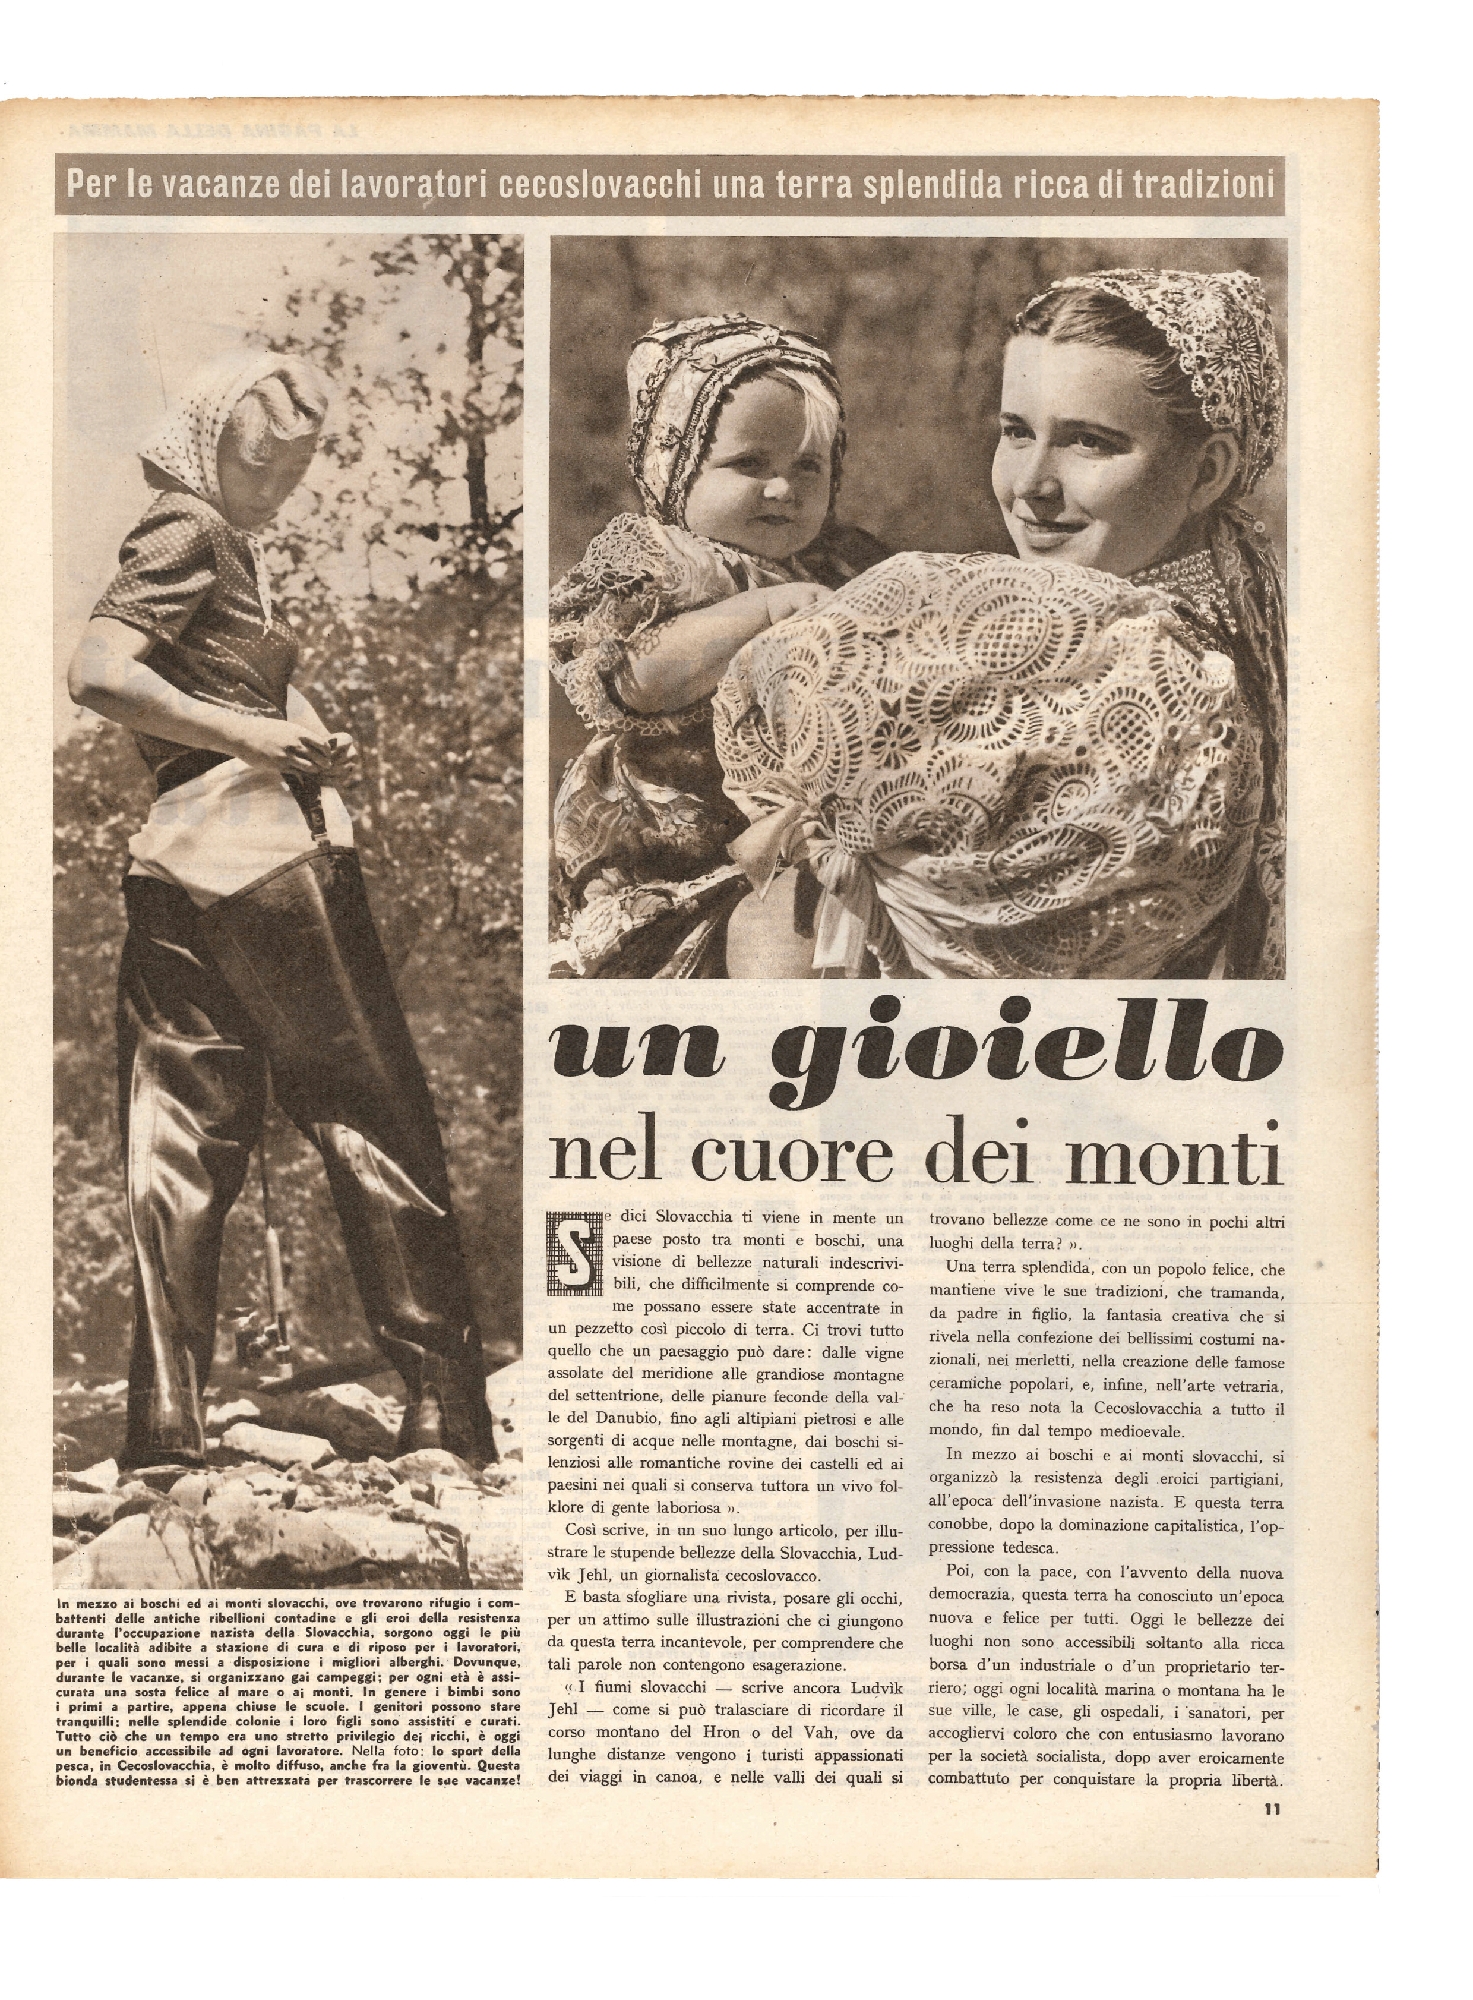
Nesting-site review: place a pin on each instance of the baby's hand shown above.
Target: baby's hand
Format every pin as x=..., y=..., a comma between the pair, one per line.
x=792, y=600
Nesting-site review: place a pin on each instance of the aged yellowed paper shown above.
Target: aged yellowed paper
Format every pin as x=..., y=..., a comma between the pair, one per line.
x=498, y=560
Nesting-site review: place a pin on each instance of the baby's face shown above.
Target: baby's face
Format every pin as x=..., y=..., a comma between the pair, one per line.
x=252, y=494
x=759, y=486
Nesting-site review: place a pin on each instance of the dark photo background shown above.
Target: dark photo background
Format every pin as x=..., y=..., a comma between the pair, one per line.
x=916, y=326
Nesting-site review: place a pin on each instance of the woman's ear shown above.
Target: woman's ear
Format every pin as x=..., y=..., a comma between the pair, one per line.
x=1217, y=468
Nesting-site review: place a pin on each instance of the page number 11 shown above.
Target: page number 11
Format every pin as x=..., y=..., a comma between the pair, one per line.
x=1271, y=1807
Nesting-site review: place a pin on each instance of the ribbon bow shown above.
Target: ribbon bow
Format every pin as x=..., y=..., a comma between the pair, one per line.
x=852, y=919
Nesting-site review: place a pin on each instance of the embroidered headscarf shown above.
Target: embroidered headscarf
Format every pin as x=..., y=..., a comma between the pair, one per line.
x=1219, y=324
x=186, y=444
x=678, y=374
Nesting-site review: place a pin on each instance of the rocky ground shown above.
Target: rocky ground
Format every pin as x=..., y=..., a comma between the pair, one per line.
x=299, y=1488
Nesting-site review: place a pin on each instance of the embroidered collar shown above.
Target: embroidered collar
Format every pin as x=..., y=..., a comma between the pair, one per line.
x=1194, y=579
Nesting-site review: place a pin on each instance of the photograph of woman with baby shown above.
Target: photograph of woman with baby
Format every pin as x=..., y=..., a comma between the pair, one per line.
x=1042, y=738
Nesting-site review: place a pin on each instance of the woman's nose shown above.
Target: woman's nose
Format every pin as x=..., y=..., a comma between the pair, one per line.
x=1037, y=474
x=778, y=487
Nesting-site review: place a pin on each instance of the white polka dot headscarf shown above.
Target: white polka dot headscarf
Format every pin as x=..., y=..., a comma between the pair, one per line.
x=186, y=444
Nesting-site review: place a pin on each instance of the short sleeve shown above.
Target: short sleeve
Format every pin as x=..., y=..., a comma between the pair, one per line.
x=166, y=568
x=633, y=576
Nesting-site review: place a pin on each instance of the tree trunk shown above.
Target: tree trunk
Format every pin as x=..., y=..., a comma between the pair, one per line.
x=474, y=271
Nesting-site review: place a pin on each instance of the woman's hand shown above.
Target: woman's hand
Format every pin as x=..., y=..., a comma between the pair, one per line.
x=344, y=766
x=343, y=750
x=110, y=674
x=297, y=748
x=792, y=600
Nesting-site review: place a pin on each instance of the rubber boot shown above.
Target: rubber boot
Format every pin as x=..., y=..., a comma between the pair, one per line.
x=165, y=1423
x=191, y=1091
x=445, y=1399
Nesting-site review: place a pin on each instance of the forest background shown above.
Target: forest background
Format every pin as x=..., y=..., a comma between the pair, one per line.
x=916, y=326
x=398, y=562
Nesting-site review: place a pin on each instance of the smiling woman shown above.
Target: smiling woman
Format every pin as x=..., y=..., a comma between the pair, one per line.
x=1154, y=403
x=1068, y=764
x=1090, y=465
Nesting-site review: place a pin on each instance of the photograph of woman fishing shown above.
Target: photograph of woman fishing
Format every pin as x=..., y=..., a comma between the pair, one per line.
x=288, y=911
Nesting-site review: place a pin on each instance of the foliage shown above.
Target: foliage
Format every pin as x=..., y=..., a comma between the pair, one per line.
x=399, y=565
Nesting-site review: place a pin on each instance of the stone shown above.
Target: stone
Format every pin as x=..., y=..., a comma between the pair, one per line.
x=139, y=1553
x=190, y=1492
x=279, y=1448
x=83, y=1510
x=355, y=1422
x=158, y=1478
x=276, y=1489
x=239, y=1527
x=133, y=1497
x=491, y=1526
x=99, y=1478
x=331, y=1545
x=493, y=1548
x=458, y=1502
x=220, y=1417
x=423, y=1466
x=264, y=1480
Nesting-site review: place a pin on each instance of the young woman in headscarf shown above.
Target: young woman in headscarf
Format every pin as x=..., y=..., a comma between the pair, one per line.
x=251, y=947
x=736, y=442
x=1068, y=764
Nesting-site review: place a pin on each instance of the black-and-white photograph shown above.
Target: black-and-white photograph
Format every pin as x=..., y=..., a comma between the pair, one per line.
x=918, y=608
x=288, y=812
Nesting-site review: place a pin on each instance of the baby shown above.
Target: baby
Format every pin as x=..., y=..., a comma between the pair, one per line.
x=736, y=441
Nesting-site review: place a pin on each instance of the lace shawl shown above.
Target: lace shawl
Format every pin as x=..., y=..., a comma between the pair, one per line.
x=1236, y=592
x=997, y=769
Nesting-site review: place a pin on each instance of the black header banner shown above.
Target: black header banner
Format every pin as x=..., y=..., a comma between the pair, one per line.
x=576, y=186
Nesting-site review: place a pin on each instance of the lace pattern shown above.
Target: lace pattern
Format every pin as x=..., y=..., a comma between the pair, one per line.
x=634, y=575
x=1234, y=591
x=641, y=819
x=1043, y=769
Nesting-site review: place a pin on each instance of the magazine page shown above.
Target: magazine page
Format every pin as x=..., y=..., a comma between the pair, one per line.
x=514, y=1411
